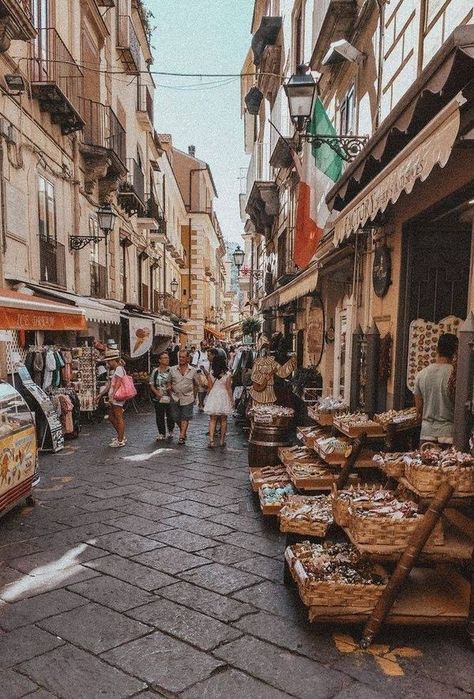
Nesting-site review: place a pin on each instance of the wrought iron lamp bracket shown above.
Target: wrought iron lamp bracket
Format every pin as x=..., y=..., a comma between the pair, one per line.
x=77, y=242
x=347, y=147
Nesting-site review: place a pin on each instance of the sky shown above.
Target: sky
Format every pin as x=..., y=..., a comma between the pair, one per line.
x=204, y=36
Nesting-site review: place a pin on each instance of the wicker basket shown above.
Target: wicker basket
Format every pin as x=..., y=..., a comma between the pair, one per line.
x=335, y=594
x=313, y=528
x=257, y=478
x=394, y=469
x=427, y=479
x=340, y=511
x=384, y=531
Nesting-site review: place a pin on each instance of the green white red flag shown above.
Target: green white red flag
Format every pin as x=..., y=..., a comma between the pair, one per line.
x=321, y=168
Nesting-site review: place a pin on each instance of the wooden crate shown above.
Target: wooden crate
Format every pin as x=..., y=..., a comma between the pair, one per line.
x=257, y=478
x=371, y=429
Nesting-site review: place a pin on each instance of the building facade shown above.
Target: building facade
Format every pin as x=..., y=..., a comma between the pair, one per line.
x=396, y=253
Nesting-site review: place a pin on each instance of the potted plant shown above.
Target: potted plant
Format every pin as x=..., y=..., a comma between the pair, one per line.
x=251, y=326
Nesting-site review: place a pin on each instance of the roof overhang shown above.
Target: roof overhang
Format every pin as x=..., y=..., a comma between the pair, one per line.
x=449, y=72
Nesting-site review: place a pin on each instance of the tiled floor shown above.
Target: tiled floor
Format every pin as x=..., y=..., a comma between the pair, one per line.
x=149, y=571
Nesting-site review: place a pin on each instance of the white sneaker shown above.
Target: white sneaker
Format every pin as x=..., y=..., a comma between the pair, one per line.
x=114, y=442
x=119, y=444
x=160, y=438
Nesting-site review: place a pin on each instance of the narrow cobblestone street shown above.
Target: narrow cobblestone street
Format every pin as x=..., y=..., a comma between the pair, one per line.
x=149, y=571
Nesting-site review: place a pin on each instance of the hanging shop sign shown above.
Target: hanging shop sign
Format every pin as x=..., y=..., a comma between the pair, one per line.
x=315, y=331
x=141, y=336
x=382, y=270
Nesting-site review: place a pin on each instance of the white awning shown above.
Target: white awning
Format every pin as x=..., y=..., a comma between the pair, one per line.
x=94, y=310
x=300, y=286
x=432, y=146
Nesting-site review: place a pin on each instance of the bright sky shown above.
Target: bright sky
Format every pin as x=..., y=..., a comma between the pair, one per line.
x=204, y=36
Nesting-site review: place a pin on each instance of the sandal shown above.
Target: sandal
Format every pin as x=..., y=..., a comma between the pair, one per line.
x=211, y=445
x=181, y=441
x=223, y=444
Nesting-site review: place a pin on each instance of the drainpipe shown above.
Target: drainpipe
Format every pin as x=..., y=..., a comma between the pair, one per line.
x=3, y=217
x=76, y=213
x=381, y=8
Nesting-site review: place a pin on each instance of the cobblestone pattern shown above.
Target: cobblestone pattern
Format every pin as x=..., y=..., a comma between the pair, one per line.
x=149, y=571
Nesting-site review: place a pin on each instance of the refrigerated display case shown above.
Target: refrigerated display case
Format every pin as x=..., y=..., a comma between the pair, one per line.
x=18, y=449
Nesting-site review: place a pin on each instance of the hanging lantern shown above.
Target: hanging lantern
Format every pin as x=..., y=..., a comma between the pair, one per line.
x=253, y=100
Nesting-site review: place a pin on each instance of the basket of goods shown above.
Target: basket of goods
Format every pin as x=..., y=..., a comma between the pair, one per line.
x=401, y=419
x=306, y=515
x=393, y=463
x=362, y=496
x=431, y=467
x=289, y=454
x=333, y=450
x=355, y=424
x=390, y=524
x=276, y=415
x=273, y=496
x=326, y=409
x=309, y=435
x=335, y=575
x=311, y=475
x=267, y=474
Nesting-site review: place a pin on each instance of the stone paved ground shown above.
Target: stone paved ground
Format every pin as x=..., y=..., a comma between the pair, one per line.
x=149, y=572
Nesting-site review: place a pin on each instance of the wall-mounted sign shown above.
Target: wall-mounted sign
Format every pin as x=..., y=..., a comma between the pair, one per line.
x=141, y=336
x=382, y=270
x=315, y=331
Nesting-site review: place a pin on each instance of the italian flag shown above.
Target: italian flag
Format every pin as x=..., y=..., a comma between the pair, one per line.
x=321, y=168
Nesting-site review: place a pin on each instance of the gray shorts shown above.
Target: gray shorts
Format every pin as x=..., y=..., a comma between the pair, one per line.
x=182, y=412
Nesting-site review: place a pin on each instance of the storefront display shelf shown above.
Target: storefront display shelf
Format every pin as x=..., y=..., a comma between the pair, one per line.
x=431, y=597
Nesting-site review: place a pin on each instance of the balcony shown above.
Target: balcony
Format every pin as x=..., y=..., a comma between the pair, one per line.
x=98, y=280
x=159, y=235
x=15, y=22
x=103, y=147
x=334, y=20
x=127, y=40
x=152, y=214
x=131, y=194
x=52, y=262
x=144, y=106
x=56, y=80
x=263, y=206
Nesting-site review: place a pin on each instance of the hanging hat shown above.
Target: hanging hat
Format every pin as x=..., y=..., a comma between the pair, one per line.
x=111, y=354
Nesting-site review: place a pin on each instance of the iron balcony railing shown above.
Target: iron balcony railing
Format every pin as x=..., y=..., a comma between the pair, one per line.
x=127, y=40
x=152, y=208
x=56, y=79
x=136, y=178
x=145, y=101
x=102, y=127
x=52, y=262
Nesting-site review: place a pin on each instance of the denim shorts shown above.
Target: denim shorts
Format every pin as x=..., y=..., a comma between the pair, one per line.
x=182, y=412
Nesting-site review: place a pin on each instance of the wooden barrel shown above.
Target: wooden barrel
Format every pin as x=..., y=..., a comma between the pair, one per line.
x=264, y=442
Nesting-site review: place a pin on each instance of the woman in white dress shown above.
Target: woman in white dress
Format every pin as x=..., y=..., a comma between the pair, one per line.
x=219, y=401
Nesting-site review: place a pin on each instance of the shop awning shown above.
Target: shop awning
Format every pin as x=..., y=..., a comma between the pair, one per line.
x=431, y=147
x=23, y=312
x=450, y=71
x=94, y=310
x=163, y=327
x=214, y=333
x=300, y=286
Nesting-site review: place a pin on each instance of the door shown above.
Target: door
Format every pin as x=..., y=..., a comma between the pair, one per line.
x=41, y=22
x=436, y=282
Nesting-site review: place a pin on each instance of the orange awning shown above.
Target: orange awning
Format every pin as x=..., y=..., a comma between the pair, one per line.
x=214, y=333
x=24, y=312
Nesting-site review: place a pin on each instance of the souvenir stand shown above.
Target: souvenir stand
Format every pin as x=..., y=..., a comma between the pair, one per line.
x=18, y=452
x=374, y=536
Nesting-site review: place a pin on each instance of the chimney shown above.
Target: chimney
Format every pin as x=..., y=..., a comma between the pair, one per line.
x=192, y=151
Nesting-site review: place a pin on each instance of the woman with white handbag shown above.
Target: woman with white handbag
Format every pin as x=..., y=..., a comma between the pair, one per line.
x=159, y=379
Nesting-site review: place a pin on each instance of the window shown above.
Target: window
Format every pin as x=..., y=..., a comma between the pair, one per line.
x=46, y=211
x=346, y=112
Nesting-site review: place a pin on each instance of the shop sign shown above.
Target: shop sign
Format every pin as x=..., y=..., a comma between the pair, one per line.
x=22, y=319
x=431, y=147
x=315, y=332
x=141, y=336
x=18, y=458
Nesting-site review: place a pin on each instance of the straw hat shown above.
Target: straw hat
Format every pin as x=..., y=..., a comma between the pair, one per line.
x=111, y=354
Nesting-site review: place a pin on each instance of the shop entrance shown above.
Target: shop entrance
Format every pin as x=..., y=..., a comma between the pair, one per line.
x=437, y=251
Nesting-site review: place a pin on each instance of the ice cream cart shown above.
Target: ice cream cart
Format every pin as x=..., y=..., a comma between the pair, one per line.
x=18, y=449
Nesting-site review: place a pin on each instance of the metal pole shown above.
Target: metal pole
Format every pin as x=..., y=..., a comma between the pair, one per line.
x=357, y=337
x=464, y=385
x=373, y=342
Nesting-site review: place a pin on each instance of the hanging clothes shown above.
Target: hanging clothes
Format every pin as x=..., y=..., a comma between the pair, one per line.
x=50, y=368
x=38, y=367
x=66, y=371
x=56, y=381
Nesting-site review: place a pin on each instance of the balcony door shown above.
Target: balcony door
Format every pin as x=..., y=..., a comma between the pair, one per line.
x=41, y=17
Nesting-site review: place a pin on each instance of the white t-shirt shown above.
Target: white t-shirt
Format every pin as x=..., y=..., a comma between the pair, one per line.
x=200, y=359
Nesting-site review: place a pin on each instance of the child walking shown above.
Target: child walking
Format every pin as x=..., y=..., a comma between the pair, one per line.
x=219, y=402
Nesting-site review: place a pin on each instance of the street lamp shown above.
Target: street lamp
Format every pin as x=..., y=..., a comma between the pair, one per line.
x=301, y=91
x=238, y=257
x=174, y=286
x=106, y=220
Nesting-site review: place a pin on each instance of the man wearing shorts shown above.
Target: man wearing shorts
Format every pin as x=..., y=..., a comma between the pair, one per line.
x=183, y=386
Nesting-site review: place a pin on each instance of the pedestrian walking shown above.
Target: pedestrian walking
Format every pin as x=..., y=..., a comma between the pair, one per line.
x=183, y=388
x=433, y=391
x=159, y=380
x=117, y=374
x=199, y=357
x=219, y=403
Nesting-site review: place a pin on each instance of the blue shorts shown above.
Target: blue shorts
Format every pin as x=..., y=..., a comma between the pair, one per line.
x=182, y=412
